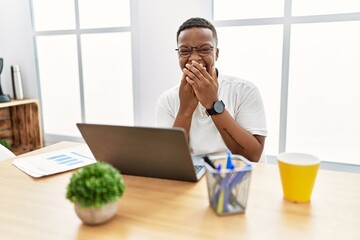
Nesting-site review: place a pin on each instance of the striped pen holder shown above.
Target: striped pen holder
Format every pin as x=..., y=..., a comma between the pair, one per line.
x=228, y=189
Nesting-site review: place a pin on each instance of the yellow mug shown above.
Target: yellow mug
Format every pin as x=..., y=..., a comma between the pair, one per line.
x=298, y=173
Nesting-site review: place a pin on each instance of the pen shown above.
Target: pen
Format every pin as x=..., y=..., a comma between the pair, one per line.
x=208, y=161
x=225, y=186
x=240, y=174
x=229, y=164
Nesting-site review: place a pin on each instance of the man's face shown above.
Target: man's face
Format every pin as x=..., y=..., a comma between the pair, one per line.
x=202, y=39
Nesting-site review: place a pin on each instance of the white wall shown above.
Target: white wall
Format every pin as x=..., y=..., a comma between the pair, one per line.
x=16, y=45
x=154, y=26
x=156, y=68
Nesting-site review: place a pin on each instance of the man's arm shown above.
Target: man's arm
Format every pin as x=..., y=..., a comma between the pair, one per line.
x=188, y=104
x=236, y=138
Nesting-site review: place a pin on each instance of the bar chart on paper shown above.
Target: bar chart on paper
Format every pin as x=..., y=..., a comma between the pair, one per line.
x=71, y=159
x=55, y=162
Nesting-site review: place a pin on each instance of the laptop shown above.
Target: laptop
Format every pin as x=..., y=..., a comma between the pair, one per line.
x=144, y=151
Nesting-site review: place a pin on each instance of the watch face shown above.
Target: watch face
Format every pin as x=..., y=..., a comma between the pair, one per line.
x=219, y=106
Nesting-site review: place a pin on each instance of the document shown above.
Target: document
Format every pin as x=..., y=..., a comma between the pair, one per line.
x=55, y=162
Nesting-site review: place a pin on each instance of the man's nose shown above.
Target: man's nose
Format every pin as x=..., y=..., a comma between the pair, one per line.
x=194, y=55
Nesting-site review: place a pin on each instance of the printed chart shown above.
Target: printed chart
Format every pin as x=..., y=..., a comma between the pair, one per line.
x=71, y=159
x=55, y=162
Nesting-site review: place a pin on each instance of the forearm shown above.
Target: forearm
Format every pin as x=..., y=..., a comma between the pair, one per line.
x=237, y=139
x=183, y=121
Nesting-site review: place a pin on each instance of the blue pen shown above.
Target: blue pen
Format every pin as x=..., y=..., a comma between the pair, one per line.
x=229, y=164
x=218, y=168
x=226, y=183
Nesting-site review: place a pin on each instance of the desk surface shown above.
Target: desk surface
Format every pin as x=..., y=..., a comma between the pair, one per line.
x=164, y=209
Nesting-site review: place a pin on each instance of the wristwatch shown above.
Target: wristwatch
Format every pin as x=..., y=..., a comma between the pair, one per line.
x=217, y=108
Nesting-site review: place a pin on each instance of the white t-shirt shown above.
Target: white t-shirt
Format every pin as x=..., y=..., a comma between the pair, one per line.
x=242, y=100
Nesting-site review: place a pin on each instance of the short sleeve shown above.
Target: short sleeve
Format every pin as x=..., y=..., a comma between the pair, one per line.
x=250, y=113
x=166, y=109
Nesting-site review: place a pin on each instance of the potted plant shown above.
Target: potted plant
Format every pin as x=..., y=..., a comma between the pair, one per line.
x=95, y=189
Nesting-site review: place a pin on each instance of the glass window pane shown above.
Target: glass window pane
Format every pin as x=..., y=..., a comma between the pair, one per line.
x=318, y=7
x=59, y=81
x=323, y=110
x=254, y=53
x=108, y=78
x=104, y=13
x=54, y=14
x=243, y=9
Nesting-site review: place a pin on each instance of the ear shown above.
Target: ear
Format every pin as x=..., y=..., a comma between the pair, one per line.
x=216, y=54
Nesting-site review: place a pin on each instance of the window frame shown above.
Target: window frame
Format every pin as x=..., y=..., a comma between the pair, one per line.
x=53, y=138
x=288, y=21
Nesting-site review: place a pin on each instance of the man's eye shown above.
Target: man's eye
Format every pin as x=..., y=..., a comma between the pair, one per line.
x=204, y=50
x=185, y=51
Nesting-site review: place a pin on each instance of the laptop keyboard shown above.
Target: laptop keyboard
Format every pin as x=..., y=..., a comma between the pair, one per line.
x=198, y=168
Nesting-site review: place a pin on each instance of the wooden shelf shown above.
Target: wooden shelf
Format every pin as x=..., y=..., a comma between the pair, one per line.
x=20, y=125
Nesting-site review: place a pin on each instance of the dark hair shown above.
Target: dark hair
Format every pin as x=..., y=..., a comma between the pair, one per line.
x=197, y=23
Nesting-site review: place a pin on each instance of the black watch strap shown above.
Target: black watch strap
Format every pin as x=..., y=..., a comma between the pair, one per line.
x=217, y=108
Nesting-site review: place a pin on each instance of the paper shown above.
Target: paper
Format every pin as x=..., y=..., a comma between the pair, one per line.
x=55, y=162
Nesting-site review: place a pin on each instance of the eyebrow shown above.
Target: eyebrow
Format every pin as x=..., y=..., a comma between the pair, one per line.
x=200, y=45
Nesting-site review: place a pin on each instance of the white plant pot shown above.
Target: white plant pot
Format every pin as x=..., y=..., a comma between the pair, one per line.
x=94, y=216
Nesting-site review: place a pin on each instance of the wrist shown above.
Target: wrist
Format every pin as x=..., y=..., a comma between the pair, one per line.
x=218, y=107
x=185, y=113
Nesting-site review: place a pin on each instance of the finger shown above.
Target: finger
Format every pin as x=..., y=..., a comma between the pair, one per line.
x=187, y=86
x=197, y=69
x=213, y=75
x=196, y=74
x=205, y=75
x=189, y=72
x=193, y=83
x=200, y=68
x=184, y=85
x=183, y=81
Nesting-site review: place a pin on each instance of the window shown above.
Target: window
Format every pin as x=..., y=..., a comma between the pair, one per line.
x=317, y=7
x=323, y=107
x=303, y=55
x=84, y=63
x=60, y=87
x=245, y=9
x=107, y=74
x=254, y=53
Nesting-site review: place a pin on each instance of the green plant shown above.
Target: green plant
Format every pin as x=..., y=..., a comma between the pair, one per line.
x=95, y=185
x=5, y=144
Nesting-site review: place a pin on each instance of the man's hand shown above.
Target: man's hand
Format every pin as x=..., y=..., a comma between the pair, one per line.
x=188, y=100
x=204, y=85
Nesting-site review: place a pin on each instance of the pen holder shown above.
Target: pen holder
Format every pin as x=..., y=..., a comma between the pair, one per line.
x=228, y=189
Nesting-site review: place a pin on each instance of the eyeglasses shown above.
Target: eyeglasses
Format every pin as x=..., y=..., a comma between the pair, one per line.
x=186, y=52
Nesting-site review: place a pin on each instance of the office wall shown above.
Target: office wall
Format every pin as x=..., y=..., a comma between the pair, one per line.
x=155, y=64
x=154, y=26
x=16, y=45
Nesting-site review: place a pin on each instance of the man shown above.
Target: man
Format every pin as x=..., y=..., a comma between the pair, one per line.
x=218, y=112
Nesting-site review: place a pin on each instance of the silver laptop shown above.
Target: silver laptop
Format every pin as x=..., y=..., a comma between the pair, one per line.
x=144, y=151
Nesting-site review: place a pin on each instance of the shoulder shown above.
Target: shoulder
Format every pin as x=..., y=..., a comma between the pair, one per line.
x=171, y=92
x=169, y=95
x=231, y=82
